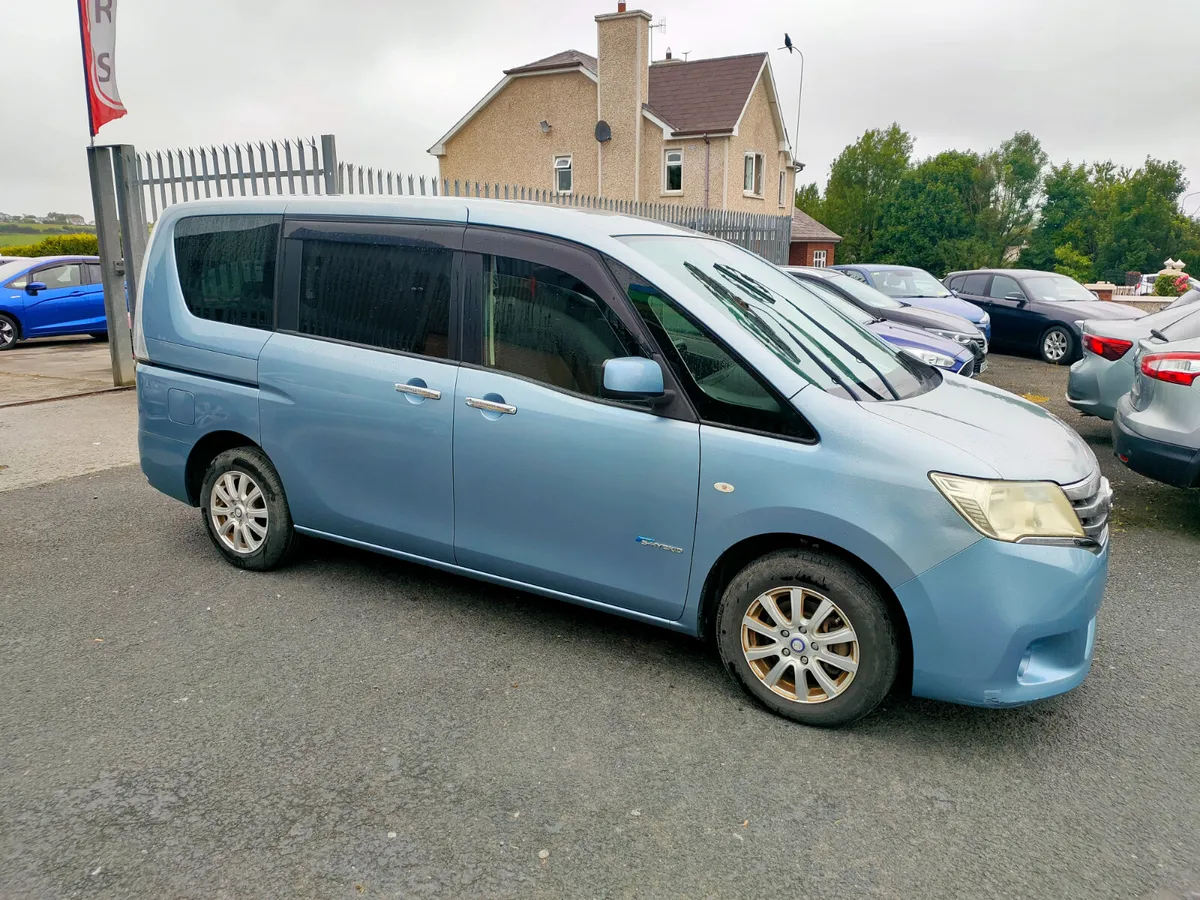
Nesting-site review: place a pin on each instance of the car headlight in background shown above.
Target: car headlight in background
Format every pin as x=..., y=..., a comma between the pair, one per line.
x=933, y=359
x=1011, y=510
x=986, y=320
x=960, y=337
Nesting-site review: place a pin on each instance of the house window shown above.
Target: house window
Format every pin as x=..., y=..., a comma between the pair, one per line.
x=673, y=169
x=819, y=257
x=562, y=174
x=752, y=181
x=782, y=185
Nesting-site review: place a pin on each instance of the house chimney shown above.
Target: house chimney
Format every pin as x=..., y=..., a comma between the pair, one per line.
x=620, y=5
x=668, y=53
x=623, y=64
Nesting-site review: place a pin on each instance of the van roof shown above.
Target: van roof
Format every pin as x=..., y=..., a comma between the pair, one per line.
x=574, y=223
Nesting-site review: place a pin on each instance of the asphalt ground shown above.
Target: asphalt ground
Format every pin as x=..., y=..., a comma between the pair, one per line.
x=354, y=726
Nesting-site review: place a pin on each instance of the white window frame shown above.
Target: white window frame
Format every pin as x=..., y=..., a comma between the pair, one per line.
x=819, y=259
x=667, y=154
x=756, y=173
x=568, y=168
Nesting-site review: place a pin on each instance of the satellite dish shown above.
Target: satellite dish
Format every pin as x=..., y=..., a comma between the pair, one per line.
x=603, y=132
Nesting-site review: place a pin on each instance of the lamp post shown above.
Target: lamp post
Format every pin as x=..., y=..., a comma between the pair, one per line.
x=792, y=48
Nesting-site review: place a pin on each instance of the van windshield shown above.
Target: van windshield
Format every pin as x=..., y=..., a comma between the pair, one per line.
x=818, y=342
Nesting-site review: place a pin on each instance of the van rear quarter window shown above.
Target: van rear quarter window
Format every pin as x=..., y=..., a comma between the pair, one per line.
x=385, y=295
x=226, y=267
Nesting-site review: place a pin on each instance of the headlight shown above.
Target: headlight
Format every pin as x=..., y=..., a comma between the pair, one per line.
x=985, y=320
x=958, y=336
x=1011, y=510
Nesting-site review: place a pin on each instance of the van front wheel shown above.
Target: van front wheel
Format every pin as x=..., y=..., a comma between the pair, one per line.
x=245, y=510
x=809, y=637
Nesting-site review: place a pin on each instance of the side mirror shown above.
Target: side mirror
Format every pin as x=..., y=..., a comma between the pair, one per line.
x=1015, y=296
x=34, y=286
x=635, y=378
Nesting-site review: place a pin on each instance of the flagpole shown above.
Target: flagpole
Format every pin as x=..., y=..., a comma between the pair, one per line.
x=87, y=77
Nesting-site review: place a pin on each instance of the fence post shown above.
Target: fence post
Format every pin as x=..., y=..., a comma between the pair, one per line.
x=132, y=215
x=104, y=203
x=329, y=164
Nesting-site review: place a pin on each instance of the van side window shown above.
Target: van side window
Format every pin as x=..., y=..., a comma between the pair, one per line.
x=548, y=325
x=723, y=390
x=388, y=293
x=226, y=267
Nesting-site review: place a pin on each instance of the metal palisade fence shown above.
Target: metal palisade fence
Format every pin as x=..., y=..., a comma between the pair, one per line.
x=308, y=166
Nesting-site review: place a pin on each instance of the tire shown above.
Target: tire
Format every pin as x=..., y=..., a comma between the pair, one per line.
x=846, y=695
x=10, y=332
x=250, y=499
x=1056, y=345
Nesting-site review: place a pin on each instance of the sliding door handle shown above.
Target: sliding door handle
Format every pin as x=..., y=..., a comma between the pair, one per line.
x=491, y=406
x=427, y=393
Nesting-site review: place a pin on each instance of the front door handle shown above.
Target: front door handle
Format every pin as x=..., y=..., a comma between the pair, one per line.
x=491, y=406
x=427, y=393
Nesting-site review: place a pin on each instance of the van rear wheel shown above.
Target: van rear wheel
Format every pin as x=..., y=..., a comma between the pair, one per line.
x=245, y=510
x=808, y=637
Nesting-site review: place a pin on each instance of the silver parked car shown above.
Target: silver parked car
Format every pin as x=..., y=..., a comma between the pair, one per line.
x=1104, y=373
x=1156, y=429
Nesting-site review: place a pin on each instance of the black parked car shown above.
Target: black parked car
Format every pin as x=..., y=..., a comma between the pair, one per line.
x=1035, y=311
x=866, y=298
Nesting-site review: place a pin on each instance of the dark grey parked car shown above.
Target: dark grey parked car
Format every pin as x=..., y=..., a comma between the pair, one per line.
x=1036, y=312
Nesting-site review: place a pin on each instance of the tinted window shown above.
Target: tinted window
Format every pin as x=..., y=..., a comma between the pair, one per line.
x=58, y=276
x=93, y=273
x=1002, y=286
x=723, y=390
x=390, y=294
x=975, y=284
x=855, y=274
x=226, y=267
x=548, y=325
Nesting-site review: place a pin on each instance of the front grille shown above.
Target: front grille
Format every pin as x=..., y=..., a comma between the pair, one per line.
x=1092, y=499
x=979, y=351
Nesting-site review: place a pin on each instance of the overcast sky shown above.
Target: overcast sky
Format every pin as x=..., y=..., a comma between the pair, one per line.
x=1093, y=79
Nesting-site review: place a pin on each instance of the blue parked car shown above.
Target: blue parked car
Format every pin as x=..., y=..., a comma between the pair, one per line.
x=51, y=295
x=918, y=287
x=624, y=415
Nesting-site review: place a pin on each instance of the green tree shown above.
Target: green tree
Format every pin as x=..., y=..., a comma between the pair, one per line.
x=1014, y=175
x=862, y=182
x=1067, y=216
x=932, y=219
x=808, y=199
x=1070, y=262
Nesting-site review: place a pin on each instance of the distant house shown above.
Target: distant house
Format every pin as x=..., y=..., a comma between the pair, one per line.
x=812, y=243
x=705, y=132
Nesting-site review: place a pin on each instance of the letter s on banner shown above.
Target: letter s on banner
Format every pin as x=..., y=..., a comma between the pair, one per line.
x=98, y=31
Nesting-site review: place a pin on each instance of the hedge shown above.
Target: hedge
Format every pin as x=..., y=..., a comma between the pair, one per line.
x=57, y=245
x=1170, y=285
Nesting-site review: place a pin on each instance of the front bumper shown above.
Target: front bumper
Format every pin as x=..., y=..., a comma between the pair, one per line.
x=1002, y=624
x=1168, y=463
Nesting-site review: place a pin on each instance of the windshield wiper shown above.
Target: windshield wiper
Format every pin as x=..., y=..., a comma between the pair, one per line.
x=760, y=290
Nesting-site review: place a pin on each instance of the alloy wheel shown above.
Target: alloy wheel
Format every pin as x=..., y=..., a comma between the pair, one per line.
x=1055, y=345
x=238, y=511
x=800, y=644
x=8, y=334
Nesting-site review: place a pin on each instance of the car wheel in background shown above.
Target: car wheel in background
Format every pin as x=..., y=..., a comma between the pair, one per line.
x=9, y=332
x=808, y=637
x=1057, y=345
x=245, y=510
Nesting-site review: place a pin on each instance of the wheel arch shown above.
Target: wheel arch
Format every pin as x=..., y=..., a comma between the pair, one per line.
x=204, y=451
x=745, y=551
x=16, y=318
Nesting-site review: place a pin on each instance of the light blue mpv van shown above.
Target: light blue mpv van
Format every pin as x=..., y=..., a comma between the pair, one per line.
x=628, y=416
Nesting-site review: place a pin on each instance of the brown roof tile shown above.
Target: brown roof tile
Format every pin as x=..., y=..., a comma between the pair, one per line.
x=557, y=61
x=806, y=228
x=704, y=94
